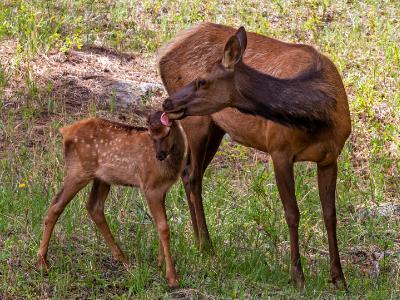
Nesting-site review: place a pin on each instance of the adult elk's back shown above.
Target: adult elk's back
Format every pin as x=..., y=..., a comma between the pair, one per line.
x=296, y=87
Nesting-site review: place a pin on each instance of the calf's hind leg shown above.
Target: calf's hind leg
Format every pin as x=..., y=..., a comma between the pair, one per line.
x=72, y=186
x=95, y=207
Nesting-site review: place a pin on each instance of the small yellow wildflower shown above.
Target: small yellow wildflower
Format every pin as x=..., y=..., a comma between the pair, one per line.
x=22, y=185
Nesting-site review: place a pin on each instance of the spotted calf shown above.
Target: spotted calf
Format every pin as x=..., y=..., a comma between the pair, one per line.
x=107, y=153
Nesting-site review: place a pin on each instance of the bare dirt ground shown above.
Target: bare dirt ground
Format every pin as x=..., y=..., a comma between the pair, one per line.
x=62, y=87
x=100, y=74
x=79, y=77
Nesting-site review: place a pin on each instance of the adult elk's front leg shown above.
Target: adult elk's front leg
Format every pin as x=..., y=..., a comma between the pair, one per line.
x=203, y=145
x=186, y=184
x=283, y=167
x=327, y=188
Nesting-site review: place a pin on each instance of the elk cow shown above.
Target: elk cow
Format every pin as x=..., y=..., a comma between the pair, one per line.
x=107, y=153
x=296, y=90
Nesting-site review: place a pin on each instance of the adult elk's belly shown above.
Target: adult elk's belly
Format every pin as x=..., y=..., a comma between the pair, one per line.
x=244, y=129
x=269, y=137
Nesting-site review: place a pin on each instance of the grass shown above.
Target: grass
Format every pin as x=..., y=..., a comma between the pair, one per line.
x=245, y=217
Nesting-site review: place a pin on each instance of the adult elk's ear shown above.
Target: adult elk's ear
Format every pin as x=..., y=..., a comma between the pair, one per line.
x=242, y=37
x=234, y=49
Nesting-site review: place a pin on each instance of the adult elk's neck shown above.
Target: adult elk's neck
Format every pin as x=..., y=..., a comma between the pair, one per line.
x=305, y=102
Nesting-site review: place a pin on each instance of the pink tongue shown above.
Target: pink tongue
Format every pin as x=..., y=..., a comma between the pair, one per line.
x=165, y=120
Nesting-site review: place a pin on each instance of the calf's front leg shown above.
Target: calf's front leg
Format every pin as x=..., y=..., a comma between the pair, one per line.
x=156, y=202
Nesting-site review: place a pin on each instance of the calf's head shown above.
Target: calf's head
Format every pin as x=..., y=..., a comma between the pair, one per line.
x=160, y=127
x=212, y=91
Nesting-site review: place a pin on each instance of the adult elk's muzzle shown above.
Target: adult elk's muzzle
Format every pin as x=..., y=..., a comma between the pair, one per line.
x=177, y=104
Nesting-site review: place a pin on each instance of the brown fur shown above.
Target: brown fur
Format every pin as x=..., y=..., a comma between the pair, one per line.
x=305, y=101
x=191, y=55
x=108, y=153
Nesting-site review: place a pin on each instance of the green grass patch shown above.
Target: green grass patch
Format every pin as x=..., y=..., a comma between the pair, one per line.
x=246, y=221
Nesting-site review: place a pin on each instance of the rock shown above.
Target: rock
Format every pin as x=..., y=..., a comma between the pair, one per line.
x=123, y=93
x=385, y=210
x=368, y=260
x=58, y=57
x=151, y=87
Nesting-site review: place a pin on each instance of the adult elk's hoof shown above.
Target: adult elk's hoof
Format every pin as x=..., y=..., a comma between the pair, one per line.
x=340, y=283
x=205, y=245
x=297, y=278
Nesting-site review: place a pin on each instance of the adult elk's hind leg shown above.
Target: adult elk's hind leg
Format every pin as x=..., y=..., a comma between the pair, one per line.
x=95, y=207
x=327, y=187
x=283, y=167
x=72, y=185
x=156, y=202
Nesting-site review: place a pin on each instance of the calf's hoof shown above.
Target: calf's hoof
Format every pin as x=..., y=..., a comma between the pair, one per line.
x=173, y=283
x=41, y=264
x=160, y=261
x=126, y=265
x=172, y=278
x=120, y=257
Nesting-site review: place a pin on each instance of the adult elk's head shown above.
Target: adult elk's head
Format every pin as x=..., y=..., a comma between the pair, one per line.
x=213, y=91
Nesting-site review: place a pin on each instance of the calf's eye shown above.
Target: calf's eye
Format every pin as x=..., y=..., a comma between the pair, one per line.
x=200, y=83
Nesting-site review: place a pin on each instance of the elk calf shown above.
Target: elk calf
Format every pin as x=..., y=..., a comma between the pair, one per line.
x=107, y=153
